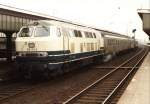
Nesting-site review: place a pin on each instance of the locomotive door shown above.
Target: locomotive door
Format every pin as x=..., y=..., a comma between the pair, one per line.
x=65, y=40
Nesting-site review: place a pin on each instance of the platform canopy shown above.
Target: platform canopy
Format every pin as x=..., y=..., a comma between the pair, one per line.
x=12, y=19
x=145, y=16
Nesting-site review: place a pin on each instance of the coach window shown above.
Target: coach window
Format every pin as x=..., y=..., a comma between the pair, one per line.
x=85, y=33
x=109, y=42
x=79, y=34
x=76, y=33
x=102, y=34
x=90, y=35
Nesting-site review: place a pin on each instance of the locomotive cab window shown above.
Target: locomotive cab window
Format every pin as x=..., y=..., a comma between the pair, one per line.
x=26, y=32
x=42, y=31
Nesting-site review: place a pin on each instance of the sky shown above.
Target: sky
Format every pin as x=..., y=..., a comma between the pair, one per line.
x=116, y=15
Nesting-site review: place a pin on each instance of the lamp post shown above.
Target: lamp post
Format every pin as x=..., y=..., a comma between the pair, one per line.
x=133, y=31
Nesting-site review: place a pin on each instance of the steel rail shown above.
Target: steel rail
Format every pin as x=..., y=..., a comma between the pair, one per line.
x=123, y=80
x=76, y=96
x=12, y=92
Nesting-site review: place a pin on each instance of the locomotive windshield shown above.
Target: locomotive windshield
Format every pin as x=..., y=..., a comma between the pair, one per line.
x=42, y=31
x=39, y=31
x=26, y=32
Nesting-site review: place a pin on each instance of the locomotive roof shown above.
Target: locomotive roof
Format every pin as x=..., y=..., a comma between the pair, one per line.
x=78, y=26
x=59, y=23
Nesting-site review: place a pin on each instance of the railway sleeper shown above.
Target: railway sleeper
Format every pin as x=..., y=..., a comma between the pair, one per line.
x=85, y=101
x=94, y=97
x=100, y=93
x=90, y=98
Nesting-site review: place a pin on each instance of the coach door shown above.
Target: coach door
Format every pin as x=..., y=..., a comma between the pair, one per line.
x=65, y=40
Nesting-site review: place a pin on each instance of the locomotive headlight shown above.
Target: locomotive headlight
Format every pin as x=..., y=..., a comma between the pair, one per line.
x=43, y=54
x=31, y=45
x=21, y=54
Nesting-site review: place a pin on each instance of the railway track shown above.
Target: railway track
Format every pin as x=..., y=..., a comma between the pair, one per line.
x=104, y=89
x=13, y=89
x=10, y=90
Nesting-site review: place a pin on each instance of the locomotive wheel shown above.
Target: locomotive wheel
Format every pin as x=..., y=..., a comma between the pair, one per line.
x=25, y=72
x=28, y=75
x=65, y=68
x=96, y=60
x=56, y=71
x=46, y=74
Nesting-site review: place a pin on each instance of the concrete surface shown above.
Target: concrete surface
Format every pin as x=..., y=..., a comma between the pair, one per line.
x=138, y=91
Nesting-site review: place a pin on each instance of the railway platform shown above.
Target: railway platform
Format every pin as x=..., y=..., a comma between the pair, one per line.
x=138, y=91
